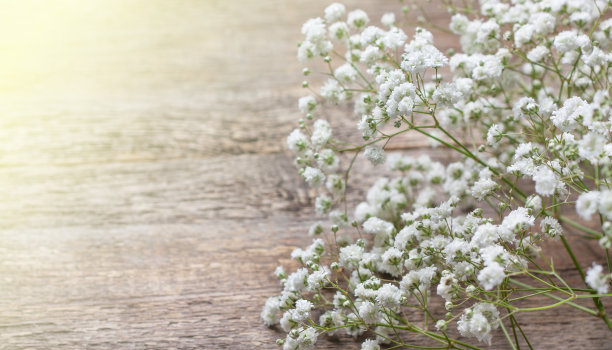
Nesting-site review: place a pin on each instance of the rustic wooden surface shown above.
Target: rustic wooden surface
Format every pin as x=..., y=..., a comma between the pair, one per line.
x=147, y=194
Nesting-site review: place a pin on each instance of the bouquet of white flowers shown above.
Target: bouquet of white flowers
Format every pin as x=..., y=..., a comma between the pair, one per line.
x=526, y=109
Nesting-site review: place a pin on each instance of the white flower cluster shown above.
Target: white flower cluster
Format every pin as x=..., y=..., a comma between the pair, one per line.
x=526, y=108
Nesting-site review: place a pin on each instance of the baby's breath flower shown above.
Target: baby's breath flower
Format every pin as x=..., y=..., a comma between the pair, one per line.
x=313, y=176
x=546, y=181
x=358, y=19
x=598, y=280
x=551, y=227
x=332, y=91
x=370, y=344
x=524, y=34
x=334, y=12
x=350, y=256
x=570, y=40
x=495, y=134
x=479, y=321
x=346, y=73
x=375, y=154
x=538, y=53
x=388, y=296
x=518, y=219
x=566, y=118
x=605, y=204
x=491, y=276
x=271, y=311
x=307, y=104
x=322, y=204
x=525, y=98
x=297, y=142
x=587, y=204
x=459, y=23
x=484, y=186
x=388, y=19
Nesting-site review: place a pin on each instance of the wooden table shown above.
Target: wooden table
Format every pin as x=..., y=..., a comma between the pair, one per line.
x=147, y=191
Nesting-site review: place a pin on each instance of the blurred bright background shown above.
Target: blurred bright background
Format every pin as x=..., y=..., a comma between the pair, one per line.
x=118, y=65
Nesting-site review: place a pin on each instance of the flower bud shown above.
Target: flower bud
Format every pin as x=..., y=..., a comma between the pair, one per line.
x=448, y=306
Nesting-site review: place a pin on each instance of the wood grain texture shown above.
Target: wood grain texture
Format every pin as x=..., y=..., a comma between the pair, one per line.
x=146, y=192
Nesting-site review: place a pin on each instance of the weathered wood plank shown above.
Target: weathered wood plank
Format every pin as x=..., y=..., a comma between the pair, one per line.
x=183, y=286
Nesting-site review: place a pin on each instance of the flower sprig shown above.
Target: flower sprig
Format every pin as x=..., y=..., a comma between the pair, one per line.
x=525, y=107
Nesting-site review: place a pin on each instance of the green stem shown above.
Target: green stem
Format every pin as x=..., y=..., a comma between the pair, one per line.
x=596, y=300
x=507, y=335
x=580, y=227
x=552, y=296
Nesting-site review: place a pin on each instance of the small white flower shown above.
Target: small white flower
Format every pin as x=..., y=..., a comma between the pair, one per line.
x=524, y=107
x=546, y=181
x=358, y=19
x=488, y=67
x=598, y=280
x=495, y=134
x=296, y=282
x=569, y=41
x=377, y=226
x=338, y=31
x=485, y=235
x=271, y=311
x=375, y=154
x=350, y=256
x=484, y=186
x=328, y=160
x=491, y=276
x=551, y=227
x=332, y=91
x=538, y=53
x=306, y=339
x=346, y=73
x=368, y=311
x=605, y=204
x=478, y=321
x=313, y=176
x=523, y=35
x=587, y=203
x=459, y=23
x=314, y=29
x=370, y=344
x=591, y=146
x=445, y=287
x=534, y=202
x=307, y=104
x=388, y=296
x=370, y=55
x=518, y=219
x=392, y=261
x=388, y=19
x=566, y=118
x=543, y=23
x=334, y=12
x=321, y=133
x=447, y=94
x=318, y=279
x=297, y=142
